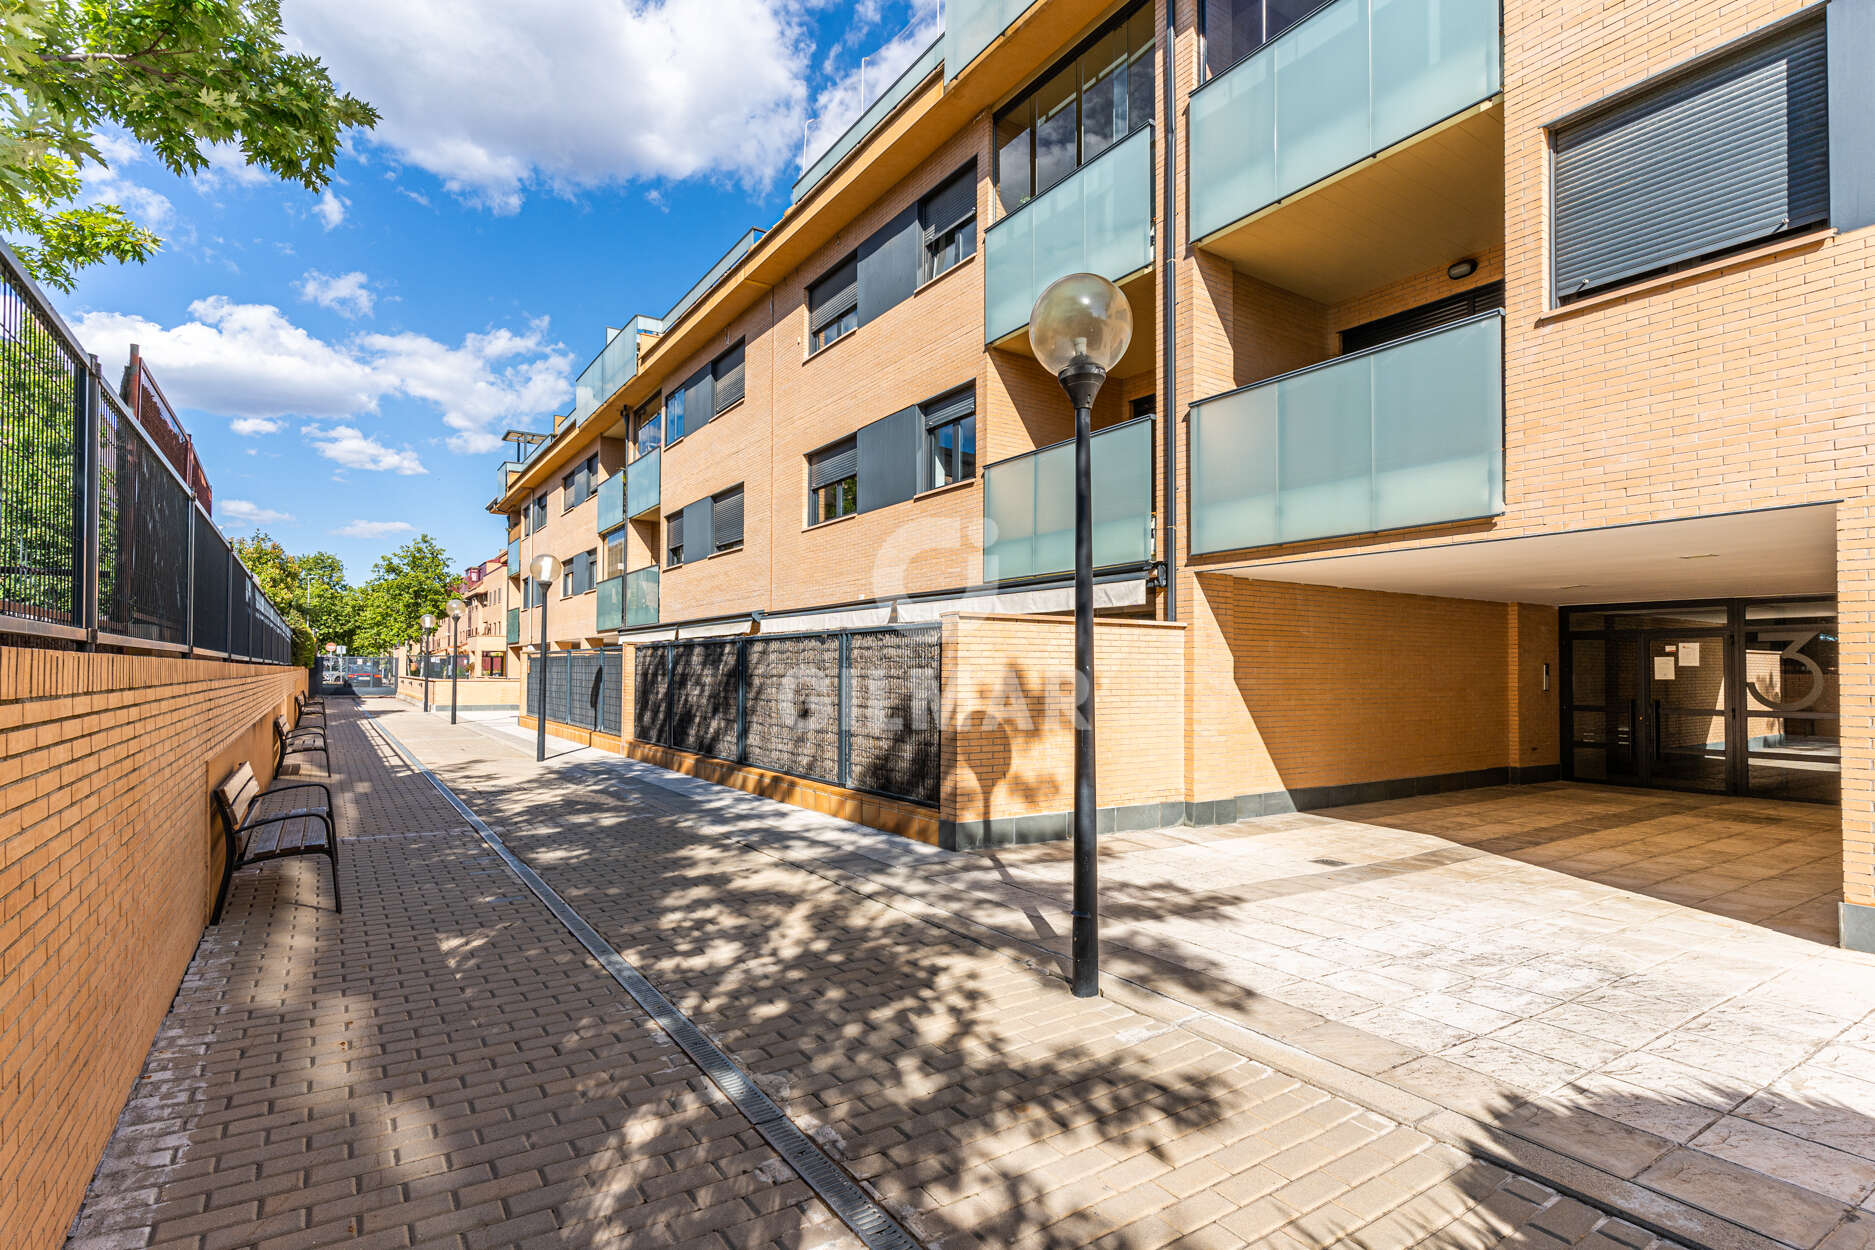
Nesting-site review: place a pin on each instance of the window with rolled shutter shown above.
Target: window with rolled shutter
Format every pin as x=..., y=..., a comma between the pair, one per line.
x=1722, y=154
x=833, y=481
x=674, y=539
x=948, y=218
x=728, y=372
x=833, y=302
x=726, y=519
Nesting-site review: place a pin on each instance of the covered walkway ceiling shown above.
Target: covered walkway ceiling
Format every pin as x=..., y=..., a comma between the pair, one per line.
x=1774, y=551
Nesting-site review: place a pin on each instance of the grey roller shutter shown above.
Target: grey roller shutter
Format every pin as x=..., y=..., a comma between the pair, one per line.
x=673, y=533
x=836, y=462
x=951, y=204
x=726, y=518
x=699, y=538
x=888, y=265
x=888, y=459
x=834, y=295
x=1718, y=156
x=699, y=400
x=952, y=407
x=728, y=372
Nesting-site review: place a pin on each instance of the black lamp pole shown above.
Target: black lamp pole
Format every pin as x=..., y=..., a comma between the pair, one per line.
x=454, y=664
x=540, y=709
x=1082, y=379
x=424, y=643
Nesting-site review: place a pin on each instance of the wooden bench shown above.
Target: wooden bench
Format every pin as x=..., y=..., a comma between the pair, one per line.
x=304, y=707
x=304, y=741
x=255, y=836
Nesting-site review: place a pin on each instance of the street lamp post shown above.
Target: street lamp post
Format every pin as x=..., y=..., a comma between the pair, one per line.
x=427, y=624
x=455, y=618
x=544, y=569
x=1079, y=329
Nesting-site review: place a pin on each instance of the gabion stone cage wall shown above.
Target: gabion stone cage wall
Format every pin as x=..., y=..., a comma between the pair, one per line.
x=857, y=709
x=583, y=688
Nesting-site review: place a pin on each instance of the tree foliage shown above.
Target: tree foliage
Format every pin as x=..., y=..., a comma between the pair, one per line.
x=310, y=591
x=177, y=75
x=414, y=579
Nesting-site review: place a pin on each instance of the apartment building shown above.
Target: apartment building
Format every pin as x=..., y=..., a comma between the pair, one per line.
x=484, y=626
x=1495, y=413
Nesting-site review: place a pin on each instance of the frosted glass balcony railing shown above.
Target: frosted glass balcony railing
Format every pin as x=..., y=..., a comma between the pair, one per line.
x=514, y=626
x=612, y=368
x=609, y=609
x=866, y=122
x=1096, y=220
x=641, y=484
x=514, y=558
x=714, y=274
x=611, y=503
x=641, y=597
x=972, y=25
x=1028, y=505
x=1409, y=433
x=1350, y=80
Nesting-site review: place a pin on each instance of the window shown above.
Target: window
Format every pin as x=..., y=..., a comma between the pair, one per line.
x=950, y=439
x=1418, y=320
x=833, y=482
x=673, y=540
x=726, y=370
x=1233, y=29
x=1099, y=95
x=833, y=305
x=494, y=664
x=577, y=487
x=577, y=577
x=615, y=554
x=948, y=220
x=674, y=415
x=1720, y=155
x=726, y=519
x=647, y=427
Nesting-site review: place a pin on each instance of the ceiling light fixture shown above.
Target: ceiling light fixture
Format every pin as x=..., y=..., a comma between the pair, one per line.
x=1461, y=269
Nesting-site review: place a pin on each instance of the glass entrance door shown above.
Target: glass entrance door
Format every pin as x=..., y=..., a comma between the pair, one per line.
x=1684, y=718
x=1792, y=743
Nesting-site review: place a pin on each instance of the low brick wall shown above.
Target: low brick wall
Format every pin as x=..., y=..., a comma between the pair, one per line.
x=108, y=869
x=472, y=693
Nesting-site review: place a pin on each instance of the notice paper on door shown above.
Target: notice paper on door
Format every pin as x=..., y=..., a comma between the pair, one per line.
x=1663, y=668
x=1689, y=655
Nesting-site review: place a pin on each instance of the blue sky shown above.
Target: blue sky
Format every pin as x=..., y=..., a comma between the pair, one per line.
x=347, y=362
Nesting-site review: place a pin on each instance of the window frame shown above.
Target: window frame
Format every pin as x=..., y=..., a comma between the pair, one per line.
x=843, y=324
x=648, y=416
x=939, y=238
x=717, y=544
x=1206, y=73
x=843, y=490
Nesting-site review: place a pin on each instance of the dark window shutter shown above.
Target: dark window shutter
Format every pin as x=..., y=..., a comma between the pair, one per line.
x=951, y=204
x=1715, y=157
x=888, y=459
x=836, y=462
x=729, y=377
x=1426, y=317
x=888, y=265
x=952, y=407
x=699, y=399
x=834, y=295
x=726, y=518
x=673, y=531
x=699, y=541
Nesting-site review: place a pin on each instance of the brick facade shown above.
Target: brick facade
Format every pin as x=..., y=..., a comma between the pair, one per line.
x=108, y=869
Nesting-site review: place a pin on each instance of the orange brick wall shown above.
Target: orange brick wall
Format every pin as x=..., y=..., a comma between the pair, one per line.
x=1008, y=704
x=108, y=869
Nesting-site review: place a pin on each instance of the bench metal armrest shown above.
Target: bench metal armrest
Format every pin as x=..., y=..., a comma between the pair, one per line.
x=255, y=822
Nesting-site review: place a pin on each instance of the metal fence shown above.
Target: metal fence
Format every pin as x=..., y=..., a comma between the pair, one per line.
x=856, y=709
x=585, y=689
x=101, y=540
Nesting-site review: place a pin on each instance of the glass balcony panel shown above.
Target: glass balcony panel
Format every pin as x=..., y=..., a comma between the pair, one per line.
x=1408, y=434
x=1439, y=427
x=641, y=484
x=1096, y=220
x=609, y=607
x=1120, y=477
x=1009, y=510
x=971, y=26
x=1431, y=59
x=1322, y=87
x=611, y=503
x=1028, y=505
x=514, y=626
x=514, y=558
x=1233, y=128
x=1054, y=508
x=641, y=597
x=612, y=368
x=1326, y=450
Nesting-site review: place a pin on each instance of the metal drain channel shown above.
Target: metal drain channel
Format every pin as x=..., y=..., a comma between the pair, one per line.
x=871, y=1222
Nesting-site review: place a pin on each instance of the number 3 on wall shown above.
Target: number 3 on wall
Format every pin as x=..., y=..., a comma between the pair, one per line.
x=1797, y=638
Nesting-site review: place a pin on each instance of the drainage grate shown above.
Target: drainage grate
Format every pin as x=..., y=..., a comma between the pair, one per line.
x=826, y=1178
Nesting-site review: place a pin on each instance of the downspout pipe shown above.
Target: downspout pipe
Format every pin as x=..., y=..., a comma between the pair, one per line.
x=1168, y=248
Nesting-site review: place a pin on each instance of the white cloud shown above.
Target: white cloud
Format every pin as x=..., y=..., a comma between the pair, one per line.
x=330, y=210
x=146, y=207
x=249, y=361
x=839, y=104
x=348, y=294
x=246, y=513
x=374, y=529
x=353, y=448
x=498, y=99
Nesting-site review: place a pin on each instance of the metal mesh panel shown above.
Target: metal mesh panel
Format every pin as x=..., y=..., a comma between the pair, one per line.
x=557, y=687
x=794, y=705
x=143, y=535
x=612, y=706
x=241, y=612
x=703, y=698
x=650, y=723
x=586, y=689
x=534, y=667
x=41, y=532
x=892, y=714
x=211, y=588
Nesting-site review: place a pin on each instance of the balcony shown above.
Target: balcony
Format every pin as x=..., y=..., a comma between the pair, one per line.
x=641, y=597
x=1028, y=505
x=611, y=503
x=514, y=626
x=1096, y=220
x=612, y=368
x=514, y=558
x=1356, y=79
x=1408, y=433
x=609, y=608
x=641, y=484
x=716, y=273
x=972, y=25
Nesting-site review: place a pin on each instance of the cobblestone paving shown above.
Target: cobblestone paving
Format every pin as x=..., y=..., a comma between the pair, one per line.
x=975, y=1097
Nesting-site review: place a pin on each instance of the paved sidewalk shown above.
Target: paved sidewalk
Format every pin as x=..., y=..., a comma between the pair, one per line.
x=443, y=1066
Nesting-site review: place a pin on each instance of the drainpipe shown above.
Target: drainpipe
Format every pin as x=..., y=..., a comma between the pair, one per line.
x=1168, y=291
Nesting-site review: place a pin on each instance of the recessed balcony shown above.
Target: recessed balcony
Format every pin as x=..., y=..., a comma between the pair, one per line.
x=611, y=510
x=641, y=597
x=608, y=610
x=1028, y=505
x=642, y=485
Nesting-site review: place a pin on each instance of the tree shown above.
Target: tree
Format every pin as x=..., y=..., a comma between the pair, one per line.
x=177, y=75
x=310, y=591
x=413, y=580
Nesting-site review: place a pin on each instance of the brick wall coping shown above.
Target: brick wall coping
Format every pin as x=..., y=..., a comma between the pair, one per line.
x=1049, y=619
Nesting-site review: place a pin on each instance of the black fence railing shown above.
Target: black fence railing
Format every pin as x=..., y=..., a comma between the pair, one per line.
x=101, y=540
x=585, y=689
x=856, y=709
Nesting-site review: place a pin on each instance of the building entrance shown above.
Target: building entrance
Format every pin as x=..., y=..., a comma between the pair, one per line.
x=1736, y=696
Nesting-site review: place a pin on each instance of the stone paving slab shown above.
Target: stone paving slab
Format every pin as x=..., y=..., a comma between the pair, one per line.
x=966, y=1089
